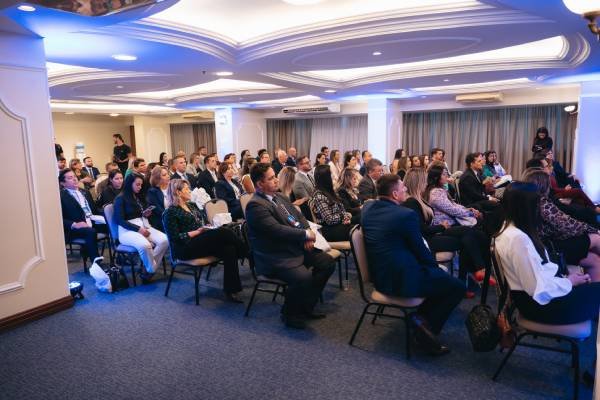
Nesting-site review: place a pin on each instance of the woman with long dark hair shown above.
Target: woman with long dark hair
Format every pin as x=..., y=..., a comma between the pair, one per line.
x=349, y=160
x=112, y=190
x=397, y=156
x=226, y=188
x=404, y=164
x=328, y=208
x=320, y=159
x=537, y=292
x=134, y=228
x=163, y=160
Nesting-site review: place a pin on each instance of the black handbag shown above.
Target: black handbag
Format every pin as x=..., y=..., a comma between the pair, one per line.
x=118, y=279
x=483, y=328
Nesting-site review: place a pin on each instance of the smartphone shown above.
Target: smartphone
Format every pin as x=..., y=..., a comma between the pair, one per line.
x=149, y=209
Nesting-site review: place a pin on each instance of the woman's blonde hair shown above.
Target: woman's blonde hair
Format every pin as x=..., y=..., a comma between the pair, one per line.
x=415, y=181
x=175, y=186
x=286, y=180
x=155, y=174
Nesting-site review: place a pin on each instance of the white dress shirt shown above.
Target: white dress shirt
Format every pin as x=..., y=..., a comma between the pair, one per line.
x=523, y=268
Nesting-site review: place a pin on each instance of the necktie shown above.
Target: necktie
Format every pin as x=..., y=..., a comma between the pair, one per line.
x=85, y=206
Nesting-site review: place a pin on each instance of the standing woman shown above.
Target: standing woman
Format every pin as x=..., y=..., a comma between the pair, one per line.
x=541, y=141
x=334, y=165
x=112, y=190
x=189, y=238
x=157, y=195
x=404, y=165
x=226, y=188
x=134, y=228
x=246, y=182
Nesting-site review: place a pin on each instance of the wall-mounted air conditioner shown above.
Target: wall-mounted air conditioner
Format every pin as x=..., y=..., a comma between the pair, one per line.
x=492, y=97
x=325, y=109
x=199, y=115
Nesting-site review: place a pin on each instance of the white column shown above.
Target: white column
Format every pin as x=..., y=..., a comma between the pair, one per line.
x=587, y=142
x=239, y=129
x=385, y=129
x=34, y=266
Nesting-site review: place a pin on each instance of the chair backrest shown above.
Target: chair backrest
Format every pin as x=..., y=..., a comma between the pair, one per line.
x=359, y=251
x=113, y=228
x=244, y=200
x=214, y=207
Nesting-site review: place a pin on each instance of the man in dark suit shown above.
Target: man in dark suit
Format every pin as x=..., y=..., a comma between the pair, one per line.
x=367, y=188
x=282, y=247
x=179, y=164
x=471, y=187
x=88, y=167
x=207, y=178
x=291, y=160
x=78, y=209
x=366, y=156
x=403, y=266
x=279, y=162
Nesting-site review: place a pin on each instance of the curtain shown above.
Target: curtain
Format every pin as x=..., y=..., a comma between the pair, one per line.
x=188, y=137
x=509, y=131
x=205, y=135
x=286, y=133
x=339, y=133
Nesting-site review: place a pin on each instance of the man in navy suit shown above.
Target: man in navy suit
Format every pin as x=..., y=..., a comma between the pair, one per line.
x=78, y=209
x=207, y=178
x=282, y=247
x=402, y=265
x=90, y=169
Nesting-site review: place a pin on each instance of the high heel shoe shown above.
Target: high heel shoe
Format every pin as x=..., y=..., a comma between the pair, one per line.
x=480, y=276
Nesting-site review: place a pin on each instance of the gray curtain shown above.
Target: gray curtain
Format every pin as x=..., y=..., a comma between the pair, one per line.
x=188, y=137
x=286, y=133
x=509, y=131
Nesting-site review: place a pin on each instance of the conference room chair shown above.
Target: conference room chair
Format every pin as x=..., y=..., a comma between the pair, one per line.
x=214, y=207
x=572, y=334
x=378, y=300
x=244, y=200
x=80, y=243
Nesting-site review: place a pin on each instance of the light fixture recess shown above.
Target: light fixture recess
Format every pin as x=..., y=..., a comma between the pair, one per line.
x=377, y=53
x=124, y=57
x=224, y=73
x=114, y=114
x=26, y=8
x=588, y=9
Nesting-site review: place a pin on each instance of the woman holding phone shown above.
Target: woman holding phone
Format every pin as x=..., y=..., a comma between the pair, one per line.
x=131, y=215
x=191, y=238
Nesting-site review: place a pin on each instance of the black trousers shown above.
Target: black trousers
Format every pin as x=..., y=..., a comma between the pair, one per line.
x=442, y=294
x=304, y=285
x=91, y=241
x=222, y=243
x=472, y=243
x=580, y=304
x=336, y=233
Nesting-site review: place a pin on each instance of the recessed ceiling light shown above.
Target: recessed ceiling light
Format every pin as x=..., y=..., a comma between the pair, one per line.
x=124, y=57
x=570, y=108
x=377, y=53
x=119, y=87
x=114, y=114
x=446, y=80
x=223, y=73
x=170, y=104
x=330, y=91
x=26, y=8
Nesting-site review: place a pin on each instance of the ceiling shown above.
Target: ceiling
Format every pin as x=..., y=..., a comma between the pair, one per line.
x=281, y=54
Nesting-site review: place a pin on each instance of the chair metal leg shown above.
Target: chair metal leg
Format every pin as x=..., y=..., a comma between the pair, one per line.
x=407, y=340
x=130, y=259
x=359, y=323
x=339, y=262
x=507, y=356
x=379, y=311
x=197, y=274
x=208, y=273
x=170, y=279
x=346, y=255
x=164, y=264
x=251, y=299
x=575, y=360
x=275, y=293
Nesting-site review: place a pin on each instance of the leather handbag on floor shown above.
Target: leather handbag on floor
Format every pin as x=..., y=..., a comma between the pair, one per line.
x=482, y=326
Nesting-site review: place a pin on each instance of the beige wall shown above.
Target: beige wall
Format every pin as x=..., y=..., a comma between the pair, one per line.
x=93, y=130
x=152, y=136
x=34, y=266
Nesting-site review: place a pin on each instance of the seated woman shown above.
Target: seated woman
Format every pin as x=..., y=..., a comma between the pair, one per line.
x=578, y=241
x=460, y=222
x=348, y=191
x=157, y=195
x=229, y=190
x=246, y=182
x=492, y=168
x=193, y=166
x=334, y=165
x=286, y=178
x=576, y=195
x=349, y=162
x=320, y=159
x=536, y=291
x=415, y=162
x=404, y=164
x=328, y=208
x=189, y=238
x=85, y=181
x=394, y=166
x=112, y=189
x=424, y=158
x=134, y=228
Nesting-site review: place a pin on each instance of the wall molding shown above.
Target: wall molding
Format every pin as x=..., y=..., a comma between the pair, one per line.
x=36, y=222
x=36, y=313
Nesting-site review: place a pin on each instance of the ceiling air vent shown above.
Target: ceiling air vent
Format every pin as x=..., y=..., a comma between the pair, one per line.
x=327, y=109
x=492, y=97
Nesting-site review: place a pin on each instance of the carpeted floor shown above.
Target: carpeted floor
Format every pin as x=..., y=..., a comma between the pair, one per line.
x=138, y=344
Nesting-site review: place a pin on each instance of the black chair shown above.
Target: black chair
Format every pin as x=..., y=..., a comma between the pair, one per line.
x=572, y=333
x=378, y=299
x=80, y=242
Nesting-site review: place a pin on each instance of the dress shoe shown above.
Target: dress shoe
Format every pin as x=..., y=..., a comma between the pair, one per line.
x=293, y=321
x=314, y=315
x=469, y=294
x=438, y=350
x=424, y=338
x=146, y=277
x=233, y=298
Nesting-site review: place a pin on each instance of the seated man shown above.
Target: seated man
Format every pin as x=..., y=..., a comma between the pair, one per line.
x=471, y=187
x=282, y=246
x=367, y=187
x=401, y=264
x=79, y=213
